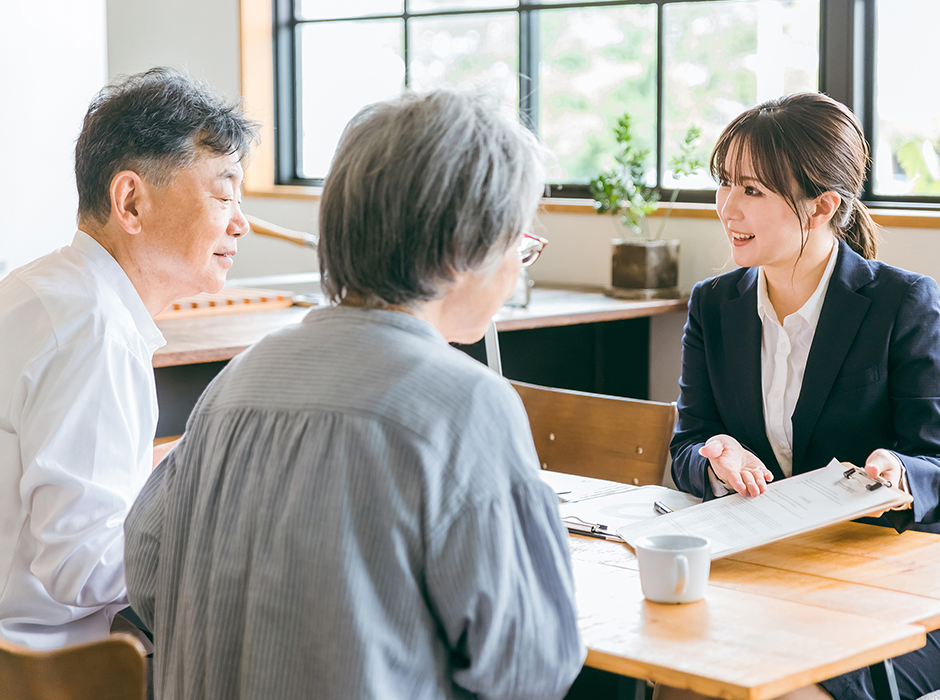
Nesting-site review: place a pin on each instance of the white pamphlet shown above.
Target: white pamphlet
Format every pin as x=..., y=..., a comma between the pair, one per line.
x=788, y=507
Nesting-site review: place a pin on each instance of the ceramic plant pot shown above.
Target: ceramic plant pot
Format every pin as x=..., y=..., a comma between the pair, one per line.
x=644, y=269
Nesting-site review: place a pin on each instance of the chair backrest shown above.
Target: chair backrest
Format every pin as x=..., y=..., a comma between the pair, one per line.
x=604, y=437
x=110, y=669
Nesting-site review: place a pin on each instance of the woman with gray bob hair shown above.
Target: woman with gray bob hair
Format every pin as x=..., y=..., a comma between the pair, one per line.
x=421, y=187
x=357, y=467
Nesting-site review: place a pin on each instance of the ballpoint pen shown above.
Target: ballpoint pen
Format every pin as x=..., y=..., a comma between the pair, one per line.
x=661, y=507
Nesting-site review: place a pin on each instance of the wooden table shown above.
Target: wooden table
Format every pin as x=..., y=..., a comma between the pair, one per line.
x=774, y=619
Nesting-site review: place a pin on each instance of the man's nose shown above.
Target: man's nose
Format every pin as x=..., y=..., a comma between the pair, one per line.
x=238, y=226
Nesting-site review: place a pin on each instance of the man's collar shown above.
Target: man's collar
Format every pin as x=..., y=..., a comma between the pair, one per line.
x=117, y=278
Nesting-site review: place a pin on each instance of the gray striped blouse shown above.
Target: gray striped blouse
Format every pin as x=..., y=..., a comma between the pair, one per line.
x=354, y=512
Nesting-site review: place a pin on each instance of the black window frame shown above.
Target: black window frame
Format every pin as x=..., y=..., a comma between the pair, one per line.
x=846, y=73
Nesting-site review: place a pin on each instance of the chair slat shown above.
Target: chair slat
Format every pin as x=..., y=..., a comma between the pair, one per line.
x=605, y=437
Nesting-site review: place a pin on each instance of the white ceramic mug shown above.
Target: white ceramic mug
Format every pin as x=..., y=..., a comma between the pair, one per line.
x=673, y=568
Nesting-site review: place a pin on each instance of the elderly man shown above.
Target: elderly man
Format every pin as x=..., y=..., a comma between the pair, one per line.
x=356, y=509
x=158, y=169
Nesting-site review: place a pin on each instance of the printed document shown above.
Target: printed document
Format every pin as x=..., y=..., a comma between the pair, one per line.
x=788, y=507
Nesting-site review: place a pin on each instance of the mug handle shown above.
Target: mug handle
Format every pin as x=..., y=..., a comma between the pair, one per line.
x=682, y=574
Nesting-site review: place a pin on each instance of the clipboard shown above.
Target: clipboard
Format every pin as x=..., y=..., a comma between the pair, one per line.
x=788, y=507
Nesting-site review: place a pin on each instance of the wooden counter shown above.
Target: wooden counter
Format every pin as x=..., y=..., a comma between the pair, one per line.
x=213, y=339
x=572, y=338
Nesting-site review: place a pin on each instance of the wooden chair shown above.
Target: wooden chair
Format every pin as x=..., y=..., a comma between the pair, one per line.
x=604, y=437
x=111, y=669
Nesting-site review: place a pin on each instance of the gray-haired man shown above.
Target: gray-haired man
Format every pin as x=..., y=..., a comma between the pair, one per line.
x=158, y=169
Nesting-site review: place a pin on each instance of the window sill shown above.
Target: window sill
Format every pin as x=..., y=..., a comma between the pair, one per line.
x=281, y=191
x=888, y=218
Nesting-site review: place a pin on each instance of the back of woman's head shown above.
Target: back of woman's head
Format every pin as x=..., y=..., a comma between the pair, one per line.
x=799, y=147
x=422, y=187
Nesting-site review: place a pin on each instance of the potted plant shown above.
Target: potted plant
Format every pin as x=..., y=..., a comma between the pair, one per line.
x=643, y=266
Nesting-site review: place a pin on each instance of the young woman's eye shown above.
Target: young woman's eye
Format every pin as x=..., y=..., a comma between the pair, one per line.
x=723, y=182
x=752, y=191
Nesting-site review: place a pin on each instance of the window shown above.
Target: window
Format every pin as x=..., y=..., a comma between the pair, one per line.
x=570, y=69
x=906, y=126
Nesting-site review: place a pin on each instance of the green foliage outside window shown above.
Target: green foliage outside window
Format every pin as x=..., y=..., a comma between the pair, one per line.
x=622, y=190
x=921, y=165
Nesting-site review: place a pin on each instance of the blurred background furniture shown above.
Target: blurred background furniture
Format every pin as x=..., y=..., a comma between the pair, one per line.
x=111, y=669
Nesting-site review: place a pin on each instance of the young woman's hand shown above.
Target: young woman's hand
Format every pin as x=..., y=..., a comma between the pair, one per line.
x=736, y=467
x=886, y=465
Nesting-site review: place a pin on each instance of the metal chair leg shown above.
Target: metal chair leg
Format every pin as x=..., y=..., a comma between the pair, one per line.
x=883, y=678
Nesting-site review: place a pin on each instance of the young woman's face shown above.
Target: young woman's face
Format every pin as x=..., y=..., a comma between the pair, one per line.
x=760, y=225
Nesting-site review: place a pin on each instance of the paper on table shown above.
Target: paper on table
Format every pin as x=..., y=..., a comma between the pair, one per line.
x=788, y=507
x=619, y=509
x=571, y=488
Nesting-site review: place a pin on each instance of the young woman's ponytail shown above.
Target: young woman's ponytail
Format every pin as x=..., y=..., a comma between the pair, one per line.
x=860, y=231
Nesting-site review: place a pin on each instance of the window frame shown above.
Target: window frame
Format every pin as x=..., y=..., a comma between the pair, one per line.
x=846, y=73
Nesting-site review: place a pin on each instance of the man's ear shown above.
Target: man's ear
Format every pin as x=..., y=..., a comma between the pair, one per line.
x=822, y=209
x=128, y=191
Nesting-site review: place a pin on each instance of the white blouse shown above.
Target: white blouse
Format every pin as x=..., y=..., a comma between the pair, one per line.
x=784, y=350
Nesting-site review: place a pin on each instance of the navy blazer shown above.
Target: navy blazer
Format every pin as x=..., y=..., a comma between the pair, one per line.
x=872, y=378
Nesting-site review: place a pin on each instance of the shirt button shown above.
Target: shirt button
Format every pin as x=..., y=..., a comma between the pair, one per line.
x=776, y=394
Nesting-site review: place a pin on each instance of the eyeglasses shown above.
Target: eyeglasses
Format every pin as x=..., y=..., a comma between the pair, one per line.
x=530, y=248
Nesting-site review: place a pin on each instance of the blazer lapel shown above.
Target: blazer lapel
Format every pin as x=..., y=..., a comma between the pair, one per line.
x=839, y=320
x=741, y=338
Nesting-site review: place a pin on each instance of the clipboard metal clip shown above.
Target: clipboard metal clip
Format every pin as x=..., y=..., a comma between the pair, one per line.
x=586, y=528
x=876, y=481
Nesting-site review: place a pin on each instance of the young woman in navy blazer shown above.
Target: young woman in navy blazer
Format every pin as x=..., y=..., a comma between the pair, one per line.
x=811, y=349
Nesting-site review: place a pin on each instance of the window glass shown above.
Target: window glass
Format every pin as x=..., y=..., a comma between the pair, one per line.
x=595, y=64
x=906, y=140
x=444, y=5
x=471, y=52
x=372, y=69
x=330, y=9
x=723, y=57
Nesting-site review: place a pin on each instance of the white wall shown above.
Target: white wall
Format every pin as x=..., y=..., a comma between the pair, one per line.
x=203, y=37
x=52, y=62
x=200, y=36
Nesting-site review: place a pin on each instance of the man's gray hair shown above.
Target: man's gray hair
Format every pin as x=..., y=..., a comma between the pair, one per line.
x=154, y=123
x=424, y=186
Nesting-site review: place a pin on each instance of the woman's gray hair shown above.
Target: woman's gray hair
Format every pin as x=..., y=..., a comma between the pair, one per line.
x=422, y=187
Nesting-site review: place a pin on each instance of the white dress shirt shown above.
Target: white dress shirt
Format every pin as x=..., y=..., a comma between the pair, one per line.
x=784, y=350
x=78, y=412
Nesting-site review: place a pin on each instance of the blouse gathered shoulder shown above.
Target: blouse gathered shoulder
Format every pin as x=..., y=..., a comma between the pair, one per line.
x=355, y=511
